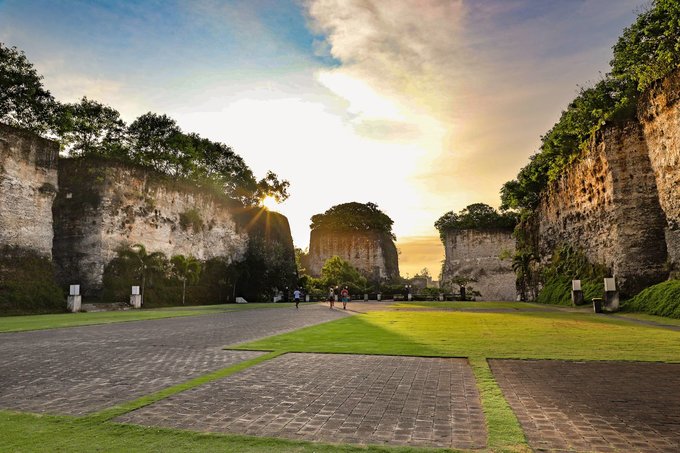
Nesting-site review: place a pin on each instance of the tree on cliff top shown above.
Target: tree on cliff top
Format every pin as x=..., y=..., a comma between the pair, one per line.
x=477, y=216
x=353, y=217
x=23, y=100
x=647, y=51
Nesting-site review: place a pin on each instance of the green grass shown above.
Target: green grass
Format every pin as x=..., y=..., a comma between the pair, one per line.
x=54, y=321
x=35, y=433
x=652, y=318
x=472, y=305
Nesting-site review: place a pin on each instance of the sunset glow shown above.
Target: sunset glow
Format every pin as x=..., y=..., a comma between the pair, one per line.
x=421, y=107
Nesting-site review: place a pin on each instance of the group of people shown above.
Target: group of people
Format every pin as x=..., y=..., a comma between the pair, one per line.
x=333, y=297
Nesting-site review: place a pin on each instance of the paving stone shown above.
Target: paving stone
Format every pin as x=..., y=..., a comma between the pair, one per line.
x=81, y=370
x=347, y=380
x=594, y=406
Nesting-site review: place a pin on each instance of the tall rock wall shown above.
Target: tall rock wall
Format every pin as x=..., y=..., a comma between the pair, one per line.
x=485, y=255
x=607, y=205
x=620, y=203
x=659, y=113
x=28, y=185
x=102, y=207
x=372, y=252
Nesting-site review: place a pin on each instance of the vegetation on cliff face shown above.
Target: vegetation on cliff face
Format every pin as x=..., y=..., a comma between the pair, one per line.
x=90, y=129
x=569, y=264
x=661, y=300
x=353, y=217
x=647, y=51
x=27, y=284
x=478, y=216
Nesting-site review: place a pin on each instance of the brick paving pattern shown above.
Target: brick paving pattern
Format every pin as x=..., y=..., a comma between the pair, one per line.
x=335, y=398
x=81, y=370
x=594, y=406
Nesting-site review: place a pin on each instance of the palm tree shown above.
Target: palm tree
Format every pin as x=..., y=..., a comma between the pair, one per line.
x=186, y=269
x=522, y=265
x=143, y=262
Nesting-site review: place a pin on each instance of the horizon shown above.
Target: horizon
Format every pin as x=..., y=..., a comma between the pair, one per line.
x=420, y=107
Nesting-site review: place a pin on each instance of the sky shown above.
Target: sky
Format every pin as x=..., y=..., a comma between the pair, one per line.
x=420, y=106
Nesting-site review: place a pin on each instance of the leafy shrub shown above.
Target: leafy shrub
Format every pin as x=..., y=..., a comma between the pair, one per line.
x=557, y=290
x=191, y=219
x=27, y=284
x=661, y=300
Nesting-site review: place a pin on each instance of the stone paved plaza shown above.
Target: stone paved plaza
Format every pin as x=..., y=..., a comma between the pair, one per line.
x=358, y=399
x=594, y=406
x=81, y=370
x=335, y=398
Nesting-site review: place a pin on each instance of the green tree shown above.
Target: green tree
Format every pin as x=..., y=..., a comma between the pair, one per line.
x=353, y=217
x=338, y=272
x=186, y=269
x=475, y=216
x=24, y=102
x=523, y=266
x=90, y=128
x=142, y=262
x=156, y=141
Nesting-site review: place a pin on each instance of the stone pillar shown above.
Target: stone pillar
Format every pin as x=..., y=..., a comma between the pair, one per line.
x=74, y=301
x=611, y=295
x=365, y=297
x=306, y=297
x=379, y=297
x=576, y=292
x=136, y=298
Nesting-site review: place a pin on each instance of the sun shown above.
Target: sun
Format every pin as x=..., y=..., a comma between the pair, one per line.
x=269, y=202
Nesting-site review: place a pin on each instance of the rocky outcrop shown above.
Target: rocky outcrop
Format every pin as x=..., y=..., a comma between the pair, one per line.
x=486, y=256
x=372, y=252
x=620, y=202
x=103, y=206
x=28, y=185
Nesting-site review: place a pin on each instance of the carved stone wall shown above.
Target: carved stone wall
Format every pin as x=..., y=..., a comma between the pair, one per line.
x=372, y=252
x=28, y=185
x=103, y=206
x=485, y=255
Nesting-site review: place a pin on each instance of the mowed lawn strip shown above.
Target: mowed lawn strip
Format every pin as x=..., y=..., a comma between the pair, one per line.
x=521, y=335
x=38, y=433
x=59, y=320
x=475, y=305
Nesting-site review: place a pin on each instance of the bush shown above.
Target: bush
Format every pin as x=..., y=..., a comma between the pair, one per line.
x=661, y=300
x=27, y=284
x=557, y=290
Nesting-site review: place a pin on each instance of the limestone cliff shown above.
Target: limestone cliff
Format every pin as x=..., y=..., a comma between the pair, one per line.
x=28, y=184
x=372, y=252
x=486, y=256
x=103, y=206
x=619, y=203
x=659, y=113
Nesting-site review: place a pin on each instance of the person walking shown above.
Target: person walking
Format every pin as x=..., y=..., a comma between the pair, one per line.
x=296, y=296
x=344, y=294
x=331, y=297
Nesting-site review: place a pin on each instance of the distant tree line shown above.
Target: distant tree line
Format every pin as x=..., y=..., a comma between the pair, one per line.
x=91, y=129
x=647, y=51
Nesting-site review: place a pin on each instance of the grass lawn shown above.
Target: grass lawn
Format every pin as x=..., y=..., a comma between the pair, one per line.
x=35, y=433
x=474, y=305
x=653, y=318
x=54, y=321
